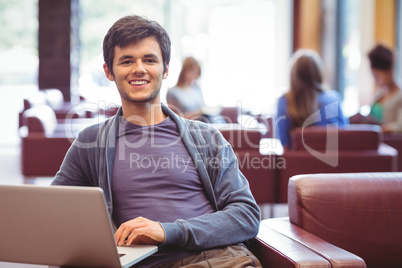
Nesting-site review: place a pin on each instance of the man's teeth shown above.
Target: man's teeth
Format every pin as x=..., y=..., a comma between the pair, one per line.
x=138, y=82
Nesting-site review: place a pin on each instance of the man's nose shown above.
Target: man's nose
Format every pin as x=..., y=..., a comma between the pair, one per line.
x=139, y=68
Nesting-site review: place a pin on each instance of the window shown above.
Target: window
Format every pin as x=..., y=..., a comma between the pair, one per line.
x=355, y=37
x=349, y=54
x=243, y=45
x=19, y=62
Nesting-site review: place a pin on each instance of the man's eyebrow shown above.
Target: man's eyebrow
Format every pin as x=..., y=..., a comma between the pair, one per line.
x=124, y=57
x=151, y=55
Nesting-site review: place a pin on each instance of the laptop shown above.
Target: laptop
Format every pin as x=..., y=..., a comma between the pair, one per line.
x=61, y=226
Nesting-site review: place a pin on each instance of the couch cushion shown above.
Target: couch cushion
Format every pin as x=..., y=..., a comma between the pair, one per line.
x=353, y=137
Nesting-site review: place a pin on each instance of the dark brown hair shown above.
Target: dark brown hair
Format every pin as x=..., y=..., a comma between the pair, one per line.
x=381, y=57
x=131, y=29
x=306, y=81
x=188, y=64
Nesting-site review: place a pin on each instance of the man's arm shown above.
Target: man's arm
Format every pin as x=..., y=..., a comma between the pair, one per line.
x=236, y=220
x=75, y=169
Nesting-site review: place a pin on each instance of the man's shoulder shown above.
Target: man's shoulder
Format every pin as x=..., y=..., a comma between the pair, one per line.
x=199, y=126
x=200, y=131
x=91, y=132
x=204, y=133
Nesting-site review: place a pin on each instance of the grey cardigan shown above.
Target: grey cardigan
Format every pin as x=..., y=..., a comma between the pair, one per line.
x=89, y=162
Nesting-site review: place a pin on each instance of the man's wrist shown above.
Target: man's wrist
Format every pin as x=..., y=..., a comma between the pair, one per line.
x=173, y=234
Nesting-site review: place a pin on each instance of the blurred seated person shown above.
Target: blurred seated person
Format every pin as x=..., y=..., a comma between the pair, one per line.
x=386, y=109
x=186, y=98
x=308, y=102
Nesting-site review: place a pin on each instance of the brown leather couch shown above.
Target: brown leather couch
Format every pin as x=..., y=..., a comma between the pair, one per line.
x=53, y=97
x=259, y=169
x=230, y=114
x=44, y=141
x=276, y=247
x=340, y=217
x=356, y=148
x=395, y=141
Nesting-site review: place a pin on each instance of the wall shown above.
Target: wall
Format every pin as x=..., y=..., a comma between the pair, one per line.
x=307, y=24
x=54, y=45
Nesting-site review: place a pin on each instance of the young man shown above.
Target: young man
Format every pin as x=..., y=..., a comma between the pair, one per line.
x=168, y=181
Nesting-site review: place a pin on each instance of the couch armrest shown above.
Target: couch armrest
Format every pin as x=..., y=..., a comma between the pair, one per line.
x=336, y=256
x=274, y=249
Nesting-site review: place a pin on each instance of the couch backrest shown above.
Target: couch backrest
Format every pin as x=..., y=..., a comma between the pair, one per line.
x=242, y=139
x=38, y=98
x=230, y=114
x=40, y=119
x=359, y=212
x=54, y=97
x=352, y=137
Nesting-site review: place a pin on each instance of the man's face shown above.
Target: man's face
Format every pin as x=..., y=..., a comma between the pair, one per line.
x=138, y=71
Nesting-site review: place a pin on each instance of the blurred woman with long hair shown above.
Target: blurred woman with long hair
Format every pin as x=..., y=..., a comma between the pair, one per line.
x=307, y=102
x=186, y=98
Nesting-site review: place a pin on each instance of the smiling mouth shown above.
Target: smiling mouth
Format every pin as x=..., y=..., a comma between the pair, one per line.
x=139, y=83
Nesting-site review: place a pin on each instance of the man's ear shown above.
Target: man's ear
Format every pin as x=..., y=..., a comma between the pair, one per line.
x=165, y=75
x=108, y=73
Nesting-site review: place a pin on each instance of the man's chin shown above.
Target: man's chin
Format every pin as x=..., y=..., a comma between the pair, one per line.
x=141, y=100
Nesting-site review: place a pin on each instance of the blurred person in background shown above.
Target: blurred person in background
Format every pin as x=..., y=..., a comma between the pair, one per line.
x=387, y=106
x=307, y=102
x=186, y=98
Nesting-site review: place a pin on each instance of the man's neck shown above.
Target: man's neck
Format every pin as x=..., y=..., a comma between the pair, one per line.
x=143, y=113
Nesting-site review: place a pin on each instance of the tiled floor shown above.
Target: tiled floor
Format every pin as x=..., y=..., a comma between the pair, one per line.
x=10, y=174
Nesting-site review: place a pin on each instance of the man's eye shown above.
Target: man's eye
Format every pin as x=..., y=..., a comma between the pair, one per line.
x=126, y=62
